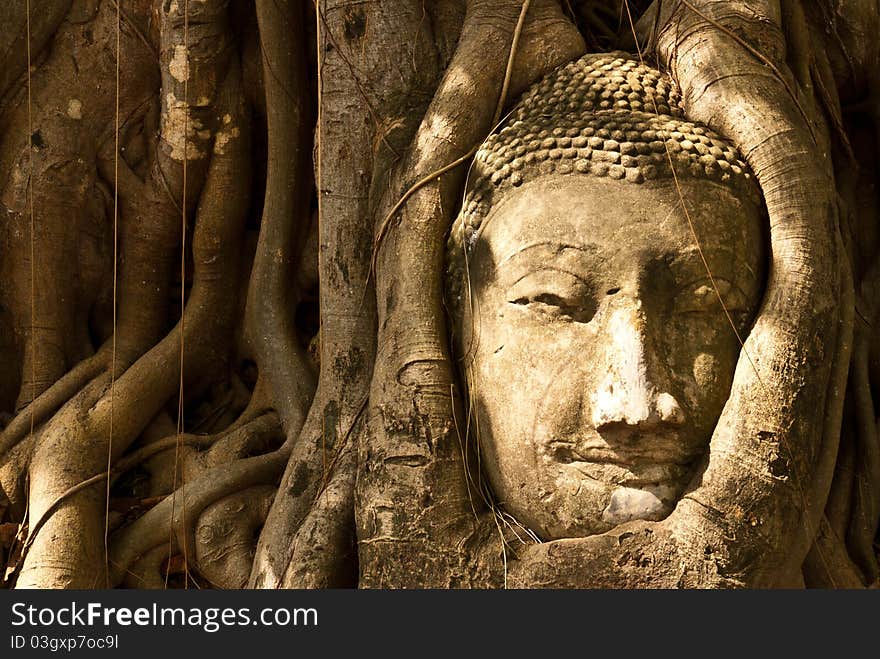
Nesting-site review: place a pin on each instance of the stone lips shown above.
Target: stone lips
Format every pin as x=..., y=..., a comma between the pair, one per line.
x=604, y=115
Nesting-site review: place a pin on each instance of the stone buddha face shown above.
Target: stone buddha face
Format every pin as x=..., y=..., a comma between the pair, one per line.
x=597, y=354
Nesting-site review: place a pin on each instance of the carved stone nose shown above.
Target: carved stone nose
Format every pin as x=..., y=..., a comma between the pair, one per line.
x=646, y=411
x=628, y=393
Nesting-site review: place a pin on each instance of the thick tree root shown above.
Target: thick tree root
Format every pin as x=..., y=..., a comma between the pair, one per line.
x=178, y=515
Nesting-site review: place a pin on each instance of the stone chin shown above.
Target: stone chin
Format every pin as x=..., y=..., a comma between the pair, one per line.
x=651, y=503
x=648, y=492
x=606, y=507
x=586, y=498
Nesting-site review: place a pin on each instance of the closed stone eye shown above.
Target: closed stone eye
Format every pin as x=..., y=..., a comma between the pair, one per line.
x=581, y=311
x=704, y=297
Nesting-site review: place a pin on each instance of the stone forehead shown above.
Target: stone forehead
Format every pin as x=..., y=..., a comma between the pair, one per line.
x=604, y=115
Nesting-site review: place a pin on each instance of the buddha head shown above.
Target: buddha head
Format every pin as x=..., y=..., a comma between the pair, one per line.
x=607, y=261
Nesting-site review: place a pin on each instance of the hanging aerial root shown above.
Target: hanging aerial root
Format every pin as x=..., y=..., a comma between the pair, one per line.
x=344, y=153
x=286, y=216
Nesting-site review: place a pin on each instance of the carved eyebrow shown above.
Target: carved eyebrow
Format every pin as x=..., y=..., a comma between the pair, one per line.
x=550, y=268
x=692, y=253
x=558, y=246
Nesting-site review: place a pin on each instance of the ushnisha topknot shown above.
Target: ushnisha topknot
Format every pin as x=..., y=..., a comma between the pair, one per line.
x=604, y=115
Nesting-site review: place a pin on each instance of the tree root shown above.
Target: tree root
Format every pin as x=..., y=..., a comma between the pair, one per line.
x=225, y=535
x=324, y=552
x=179, y=513
x=74, y=558
x=53, y=398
